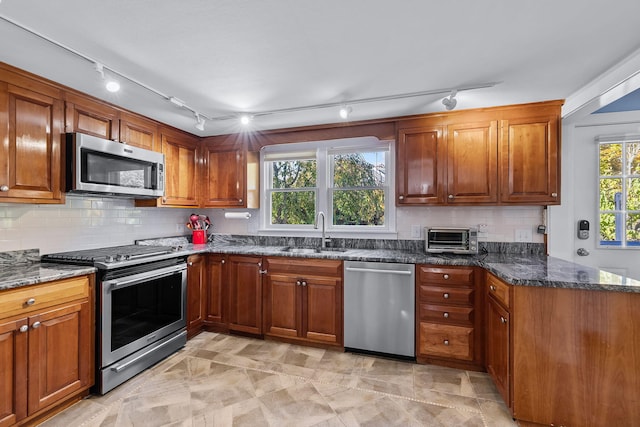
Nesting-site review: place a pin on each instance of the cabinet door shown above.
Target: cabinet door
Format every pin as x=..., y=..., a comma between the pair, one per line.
x=13, y=371
x=60, y=353
x=90, y=117
x=139, y=132
x=529, y=158
x=245, y=294
x=420, y=166
x=196, y=294
x=322, y=302
x=181, y=162
x=282, y=305
x=224, y=178
x=497, y=347
x=216, y=284
x=472, y=162
x=30, y=152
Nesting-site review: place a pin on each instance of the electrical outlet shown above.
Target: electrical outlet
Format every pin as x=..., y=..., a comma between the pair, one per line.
x=524, y=235
x=415, y=231
x=180, y=228
x=483, y=228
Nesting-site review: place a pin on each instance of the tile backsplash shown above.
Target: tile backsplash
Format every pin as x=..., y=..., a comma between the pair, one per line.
x=85, y=222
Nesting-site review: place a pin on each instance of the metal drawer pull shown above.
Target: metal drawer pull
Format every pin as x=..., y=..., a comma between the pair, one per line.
x=304, y=283
x=35, y=325
x=446, y=342
x=446, y=315
x=298, y=283
x=492, y=287
x=446, y=277
x=30, y=302
x=24, y=328
x=445, y=296
x=503, y=320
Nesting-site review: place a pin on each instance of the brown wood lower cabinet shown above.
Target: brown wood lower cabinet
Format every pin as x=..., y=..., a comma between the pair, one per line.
x=245, y=294
x=449, y=317
x=303, y=300
x=574, y=355
x=196, y=294
x=46, y=348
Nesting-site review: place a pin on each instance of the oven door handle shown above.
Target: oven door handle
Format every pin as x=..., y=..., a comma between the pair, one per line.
x=143, y=277
x=119, y=368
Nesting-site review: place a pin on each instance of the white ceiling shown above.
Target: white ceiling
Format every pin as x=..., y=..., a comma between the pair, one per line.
x=224, y=57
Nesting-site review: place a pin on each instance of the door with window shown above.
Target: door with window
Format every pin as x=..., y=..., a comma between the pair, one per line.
x=601, y=179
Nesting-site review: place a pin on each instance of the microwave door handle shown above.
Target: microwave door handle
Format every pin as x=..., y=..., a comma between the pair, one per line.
x=142, y=277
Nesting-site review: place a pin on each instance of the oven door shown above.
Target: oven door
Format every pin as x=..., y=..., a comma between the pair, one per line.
x=139, y=309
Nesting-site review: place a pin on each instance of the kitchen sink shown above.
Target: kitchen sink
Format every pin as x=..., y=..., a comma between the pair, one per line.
x=307, y=250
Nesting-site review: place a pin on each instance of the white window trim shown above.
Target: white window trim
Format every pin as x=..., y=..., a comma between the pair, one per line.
x=322, y=149
x=621, y=139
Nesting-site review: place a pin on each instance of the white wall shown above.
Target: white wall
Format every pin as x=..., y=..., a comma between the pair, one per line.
x=90, y=222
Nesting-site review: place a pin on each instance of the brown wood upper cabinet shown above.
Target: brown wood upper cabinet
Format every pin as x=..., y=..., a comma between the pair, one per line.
x=502, y=155
x=140, y=132
x=31, y=151
x=95, y=118
x=231, y=177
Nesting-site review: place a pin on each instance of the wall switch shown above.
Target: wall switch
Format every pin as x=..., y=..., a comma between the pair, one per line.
x=415, y=231
x=524, y=235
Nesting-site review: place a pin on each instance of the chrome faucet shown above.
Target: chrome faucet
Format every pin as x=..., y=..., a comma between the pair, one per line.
x=323, y=242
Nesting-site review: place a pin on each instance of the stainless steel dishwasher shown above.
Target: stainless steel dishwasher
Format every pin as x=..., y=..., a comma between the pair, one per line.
x=379, y=307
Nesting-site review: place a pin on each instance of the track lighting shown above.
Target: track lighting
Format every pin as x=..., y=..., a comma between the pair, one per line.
x=200, y=122
x=344, y=112
x=177, y=102
x=245, y=119
x=112, y=86
x=450, y=101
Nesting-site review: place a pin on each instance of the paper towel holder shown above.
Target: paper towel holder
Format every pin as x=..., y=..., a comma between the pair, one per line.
x=237, y=215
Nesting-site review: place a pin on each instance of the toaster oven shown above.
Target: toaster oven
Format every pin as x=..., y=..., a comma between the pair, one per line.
x=451, y=240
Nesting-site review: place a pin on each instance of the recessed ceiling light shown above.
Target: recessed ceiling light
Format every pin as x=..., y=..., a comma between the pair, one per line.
x=245, y=119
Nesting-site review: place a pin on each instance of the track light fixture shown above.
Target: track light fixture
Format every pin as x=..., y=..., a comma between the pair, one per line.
x=199, y=122
x=111, y=85
x=245, y=119
x=450, y=101
x=344, y=112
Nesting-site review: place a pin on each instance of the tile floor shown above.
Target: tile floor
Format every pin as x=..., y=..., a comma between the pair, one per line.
x=222, y=380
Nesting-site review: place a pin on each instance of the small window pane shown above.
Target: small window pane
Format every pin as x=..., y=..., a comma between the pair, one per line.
x=359, y=169
x=294, y=174
x=633, y=229
x=609, y=235
x=633, y=194
x=358, y=207
x=633, y=158
x=610, y=194
x=610, y=159
x=293, y=207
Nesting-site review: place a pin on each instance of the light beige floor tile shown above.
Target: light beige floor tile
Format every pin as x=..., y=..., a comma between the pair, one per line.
x=449, y=400
x=301, y=405
x=74, y=416
x=425, y=414
x=496, y=414
x=484, y=387
x=453, y=381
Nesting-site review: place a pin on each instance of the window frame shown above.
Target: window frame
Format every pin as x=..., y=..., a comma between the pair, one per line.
x=624, y=177
x=324, y=152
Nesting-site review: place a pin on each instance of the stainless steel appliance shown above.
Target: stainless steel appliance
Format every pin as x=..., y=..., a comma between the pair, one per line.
x=141, y=307
x=451, y=240
x=108, y=168
x=379, y=308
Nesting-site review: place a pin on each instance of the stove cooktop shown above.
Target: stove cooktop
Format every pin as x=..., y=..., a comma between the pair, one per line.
x=113, y=257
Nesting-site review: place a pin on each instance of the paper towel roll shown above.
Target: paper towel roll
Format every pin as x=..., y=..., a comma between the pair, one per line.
x=237, y=215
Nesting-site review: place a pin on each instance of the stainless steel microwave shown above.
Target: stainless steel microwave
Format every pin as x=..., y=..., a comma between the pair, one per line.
x=107, y=168
x=451, y=240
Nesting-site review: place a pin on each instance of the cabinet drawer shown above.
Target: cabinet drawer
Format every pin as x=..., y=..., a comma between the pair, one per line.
x=446, y=275
x=498, y=289
x=446, y=314
x=30, y=298
x=304, y=266
x=447, y=295
x=446, y=341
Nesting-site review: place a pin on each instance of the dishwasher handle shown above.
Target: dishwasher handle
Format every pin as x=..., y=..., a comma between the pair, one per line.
x=376, y=270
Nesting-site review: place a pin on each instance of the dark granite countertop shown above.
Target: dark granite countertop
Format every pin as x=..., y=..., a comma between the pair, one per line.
x=516, y=269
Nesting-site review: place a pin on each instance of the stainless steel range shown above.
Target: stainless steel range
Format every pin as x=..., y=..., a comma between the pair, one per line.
x=141, y=307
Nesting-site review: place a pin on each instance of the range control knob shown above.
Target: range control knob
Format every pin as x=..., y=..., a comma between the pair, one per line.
x=121, y=257
x=109, y=258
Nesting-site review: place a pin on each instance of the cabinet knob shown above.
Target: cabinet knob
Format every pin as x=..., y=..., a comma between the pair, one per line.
x=401, y=198
x=493, y=288
x=164, y=200
x=304, y=283
x=35, y=325
x=30, y=302
x=445, y=296
x=450, y=196
x=298, y=282
x=190, y=263
x=446, y=277
x=445, y=315
x=4, y=188
x=23, y=328
x=222, y=262
x=446, y=342
x=239, y=200
x=554, y=194
x=503, y=320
